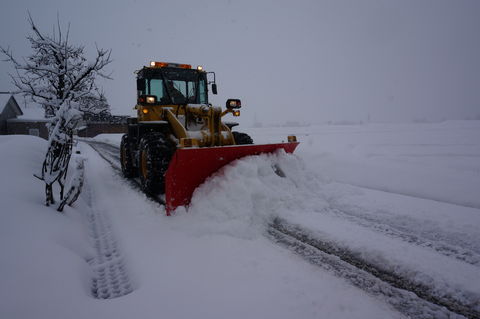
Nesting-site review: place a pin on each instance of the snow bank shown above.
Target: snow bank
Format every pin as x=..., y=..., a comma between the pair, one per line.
x=44, y=253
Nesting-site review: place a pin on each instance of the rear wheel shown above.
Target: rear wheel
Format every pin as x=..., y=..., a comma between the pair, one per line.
x=242, y=138
x=126, y=160
x=156, y=151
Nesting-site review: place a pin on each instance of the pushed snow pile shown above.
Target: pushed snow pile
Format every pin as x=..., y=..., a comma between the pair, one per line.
x=246, y=194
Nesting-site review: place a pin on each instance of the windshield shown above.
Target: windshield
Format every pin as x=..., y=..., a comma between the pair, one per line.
x=176, y=86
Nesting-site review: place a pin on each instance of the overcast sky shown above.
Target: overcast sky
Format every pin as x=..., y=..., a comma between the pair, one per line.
x=308, y=61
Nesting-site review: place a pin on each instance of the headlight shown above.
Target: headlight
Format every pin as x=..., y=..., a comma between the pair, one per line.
x=151, y=99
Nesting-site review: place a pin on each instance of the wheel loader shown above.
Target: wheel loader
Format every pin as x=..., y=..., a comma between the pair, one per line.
x=178, y=138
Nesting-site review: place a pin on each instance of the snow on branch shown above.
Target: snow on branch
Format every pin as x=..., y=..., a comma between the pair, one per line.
x=56, y=72
x=58, y=76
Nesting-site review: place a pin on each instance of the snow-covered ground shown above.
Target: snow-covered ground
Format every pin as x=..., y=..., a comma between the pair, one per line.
x=401, y=197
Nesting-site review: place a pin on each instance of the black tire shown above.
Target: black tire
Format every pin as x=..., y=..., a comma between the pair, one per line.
x=126, y=159
x=156, y=151
x=242, y=138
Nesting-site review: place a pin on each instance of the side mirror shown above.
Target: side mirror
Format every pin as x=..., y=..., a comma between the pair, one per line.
x=141, y=85
x=233, y=104
x=214, y=88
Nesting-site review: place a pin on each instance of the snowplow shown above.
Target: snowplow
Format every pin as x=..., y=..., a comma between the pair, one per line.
x=178, y=138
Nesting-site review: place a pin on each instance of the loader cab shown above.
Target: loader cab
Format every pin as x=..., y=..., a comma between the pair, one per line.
x=173, y=84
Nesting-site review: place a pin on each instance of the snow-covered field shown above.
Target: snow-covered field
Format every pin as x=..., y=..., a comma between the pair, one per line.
x=403, y=198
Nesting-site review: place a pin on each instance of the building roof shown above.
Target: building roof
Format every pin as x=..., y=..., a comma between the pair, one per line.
x=3, y=101
x=32, y=112
x=9, y=100
x=26, y=112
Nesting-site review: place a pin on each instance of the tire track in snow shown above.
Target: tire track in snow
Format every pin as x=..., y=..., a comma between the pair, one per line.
x=408, y=297
x=108, y=152
x=436, y=241
x=111, y=155
x=111, y=279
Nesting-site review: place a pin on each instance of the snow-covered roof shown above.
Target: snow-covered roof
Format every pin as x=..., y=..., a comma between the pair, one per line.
x=32, y=112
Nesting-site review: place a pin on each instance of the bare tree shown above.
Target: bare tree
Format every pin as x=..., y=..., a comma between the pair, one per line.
x=95, y=106
x=58, y=76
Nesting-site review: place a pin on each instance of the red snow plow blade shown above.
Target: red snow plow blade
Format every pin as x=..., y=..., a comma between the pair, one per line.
x=190, y=167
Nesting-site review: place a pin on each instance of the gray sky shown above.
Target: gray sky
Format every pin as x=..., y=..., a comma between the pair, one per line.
x=308, y=61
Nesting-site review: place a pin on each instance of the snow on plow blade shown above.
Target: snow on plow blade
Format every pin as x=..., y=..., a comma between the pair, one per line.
x=190, y=167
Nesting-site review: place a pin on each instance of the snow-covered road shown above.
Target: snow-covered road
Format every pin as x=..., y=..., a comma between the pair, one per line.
x=364, y=225
x=216, y=268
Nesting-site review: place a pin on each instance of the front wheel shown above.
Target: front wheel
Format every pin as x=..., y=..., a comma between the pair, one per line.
x=156, y=151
